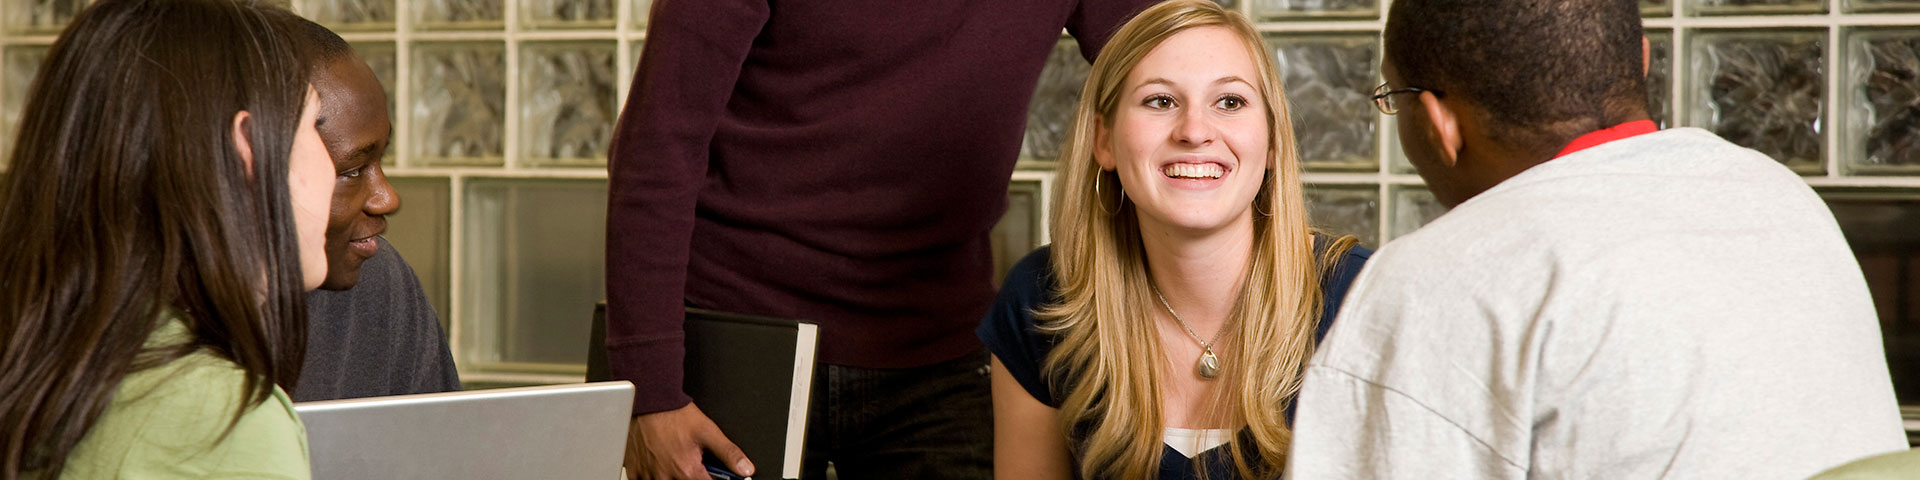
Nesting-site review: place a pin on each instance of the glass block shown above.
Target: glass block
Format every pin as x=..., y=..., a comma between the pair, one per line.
x=1655, y=8
x=1050, y=114
x=567, y=13
x=1329, y=80
x=534, y=253
x=351, y=14
x=1316, y=8
x=1854, y=6
x=1018, y=232
x=642, y=9
x=1660, y=76
x=381, y=58
x=1413, y=207
x=419, y=231
x=1882, y=98
x=1757, y=7
x=41, y=16
x=1764, y=90
x=633, y=54
x=459, y=14
x=1346, y=210
x=459, y=103
x=567, y=104
x=22, y=63
x=1879, y=225
x=1396, y=154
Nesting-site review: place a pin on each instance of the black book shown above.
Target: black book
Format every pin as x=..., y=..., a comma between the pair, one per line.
x=752, y=375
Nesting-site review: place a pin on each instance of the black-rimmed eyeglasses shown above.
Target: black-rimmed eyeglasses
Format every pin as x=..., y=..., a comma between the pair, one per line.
x=1383, y=98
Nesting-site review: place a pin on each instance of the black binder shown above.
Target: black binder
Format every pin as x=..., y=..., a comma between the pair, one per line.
x=752, y=375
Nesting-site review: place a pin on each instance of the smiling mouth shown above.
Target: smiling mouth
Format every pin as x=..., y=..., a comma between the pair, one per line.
x=366, y=245
x=1195, y=171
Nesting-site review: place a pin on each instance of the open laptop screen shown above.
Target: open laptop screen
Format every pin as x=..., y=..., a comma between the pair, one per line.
x=558, y=431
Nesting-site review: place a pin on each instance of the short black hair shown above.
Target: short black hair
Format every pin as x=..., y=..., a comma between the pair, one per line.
x=1544, y=71
x=319, y=44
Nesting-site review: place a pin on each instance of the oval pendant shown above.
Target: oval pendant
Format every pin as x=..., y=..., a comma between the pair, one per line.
x=1209, y=364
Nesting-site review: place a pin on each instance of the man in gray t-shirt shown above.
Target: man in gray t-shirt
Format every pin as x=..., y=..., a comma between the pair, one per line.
x=371, y=330
x=1604, y=300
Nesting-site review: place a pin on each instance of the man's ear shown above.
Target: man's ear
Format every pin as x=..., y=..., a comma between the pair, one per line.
x=1646, y=56
x=1446, y=127
x=243, y=139
x=1102, y=151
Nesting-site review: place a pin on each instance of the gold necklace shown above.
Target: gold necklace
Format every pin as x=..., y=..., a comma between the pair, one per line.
x=1209, y=364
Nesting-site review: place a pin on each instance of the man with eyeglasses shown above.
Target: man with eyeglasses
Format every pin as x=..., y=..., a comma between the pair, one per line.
x=1605, y=299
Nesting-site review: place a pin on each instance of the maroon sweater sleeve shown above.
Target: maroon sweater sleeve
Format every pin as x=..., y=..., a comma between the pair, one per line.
x=1094, y=21
x=693, y=56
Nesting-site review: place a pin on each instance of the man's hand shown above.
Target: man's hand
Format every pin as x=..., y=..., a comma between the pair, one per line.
x=668, y=445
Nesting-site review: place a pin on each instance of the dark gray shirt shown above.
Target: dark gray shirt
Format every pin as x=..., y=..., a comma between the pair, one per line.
x=379, y=338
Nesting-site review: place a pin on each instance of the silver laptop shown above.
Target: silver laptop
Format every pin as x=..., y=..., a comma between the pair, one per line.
x=559, y=431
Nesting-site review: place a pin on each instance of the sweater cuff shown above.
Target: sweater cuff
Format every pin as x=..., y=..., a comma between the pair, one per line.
x=655, y=368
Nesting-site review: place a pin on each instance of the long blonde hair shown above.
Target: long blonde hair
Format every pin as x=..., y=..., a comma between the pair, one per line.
x=1108, y=359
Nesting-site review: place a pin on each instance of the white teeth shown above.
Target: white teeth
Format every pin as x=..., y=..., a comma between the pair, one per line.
x=1193, y=170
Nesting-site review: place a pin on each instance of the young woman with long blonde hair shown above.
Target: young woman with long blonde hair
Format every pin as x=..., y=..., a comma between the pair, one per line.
x=1164, y=332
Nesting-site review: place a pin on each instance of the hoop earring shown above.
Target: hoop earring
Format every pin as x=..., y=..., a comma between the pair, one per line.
x=1266, y=182
x=1100, y=197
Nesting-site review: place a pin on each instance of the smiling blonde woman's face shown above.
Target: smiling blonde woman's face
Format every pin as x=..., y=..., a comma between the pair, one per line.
x=1189, y=138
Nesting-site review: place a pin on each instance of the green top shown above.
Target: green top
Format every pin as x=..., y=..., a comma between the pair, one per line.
x=1900, y=464
x=165, y=422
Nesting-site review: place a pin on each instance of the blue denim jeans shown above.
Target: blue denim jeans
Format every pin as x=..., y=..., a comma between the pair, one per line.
x=931, y=422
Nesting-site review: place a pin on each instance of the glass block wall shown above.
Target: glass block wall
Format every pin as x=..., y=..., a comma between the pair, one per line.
x=502, y=113
x=503, y=110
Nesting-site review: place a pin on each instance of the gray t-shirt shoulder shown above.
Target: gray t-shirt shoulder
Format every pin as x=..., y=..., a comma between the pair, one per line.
x=379, y=338
x=1663, y=305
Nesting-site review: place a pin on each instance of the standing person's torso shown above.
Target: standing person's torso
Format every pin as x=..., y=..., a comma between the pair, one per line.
x=1668, y=305
x=860, y=164
x=892, y=122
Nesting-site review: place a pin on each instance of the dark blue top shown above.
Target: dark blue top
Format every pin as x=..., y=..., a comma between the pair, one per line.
x=1009, y=332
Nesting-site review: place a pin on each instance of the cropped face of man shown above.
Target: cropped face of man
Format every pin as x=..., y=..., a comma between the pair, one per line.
x=1419, y=139
x=354, y=125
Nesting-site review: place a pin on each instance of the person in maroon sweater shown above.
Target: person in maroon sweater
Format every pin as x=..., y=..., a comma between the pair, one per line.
x=840, y=162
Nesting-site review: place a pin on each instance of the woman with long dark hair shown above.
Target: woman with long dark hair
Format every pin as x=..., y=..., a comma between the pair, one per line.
x=162, y=218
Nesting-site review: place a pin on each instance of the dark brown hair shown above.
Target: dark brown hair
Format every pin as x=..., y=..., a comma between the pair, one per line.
x=127, y=198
